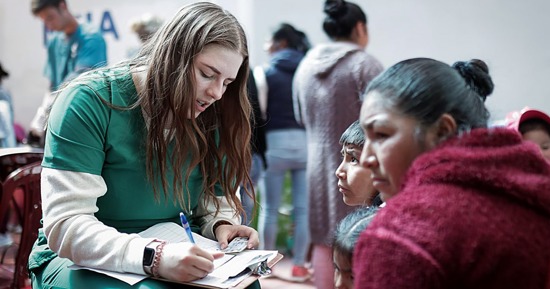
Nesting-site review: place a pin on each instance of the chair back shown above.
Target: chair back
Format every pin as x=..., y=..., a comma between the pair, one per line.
x=13, y=158
x=26, y=178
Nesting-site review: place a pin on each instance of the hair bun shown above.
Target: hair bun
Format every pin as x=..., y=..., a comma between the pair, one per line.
x=476, y=74
x=335, y=8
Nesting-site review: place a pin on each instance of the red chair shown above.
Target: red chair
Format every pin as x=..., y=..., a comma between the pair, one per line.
x=10, y=160
x=26, y=178
x=13, y=158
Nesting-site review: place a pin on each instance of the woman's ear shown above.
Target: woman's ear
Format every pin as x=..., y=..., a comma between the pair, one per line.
x=361, y=34
x=446, y=127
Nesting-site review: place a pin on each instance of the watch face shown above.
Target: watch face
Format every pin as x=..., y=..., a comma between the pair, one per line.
x=148, y=256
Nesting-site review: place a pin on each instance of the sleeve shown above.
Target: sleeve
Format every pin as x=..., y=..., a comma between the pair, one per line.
x=206, y=213
x=71, y=184
x=73, y=232
x=296, y=105
x=384, y=259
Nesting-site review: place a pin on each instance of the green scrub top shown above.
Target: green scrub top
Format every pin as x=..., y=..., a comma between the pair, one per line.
x=86, y=135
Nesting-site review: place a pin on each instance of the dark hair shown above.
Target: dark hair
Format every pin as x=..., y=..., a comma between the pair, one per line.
x=3, y=73
x=38, y=5
x=341, y=18
x=426, y=89
x=295, y=39
x=353, y=135
x=533, y=124
x=349, y=229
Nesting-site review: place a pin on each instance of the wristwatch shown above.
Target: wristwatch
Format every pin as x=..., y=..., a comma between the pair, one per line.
x=149, y=256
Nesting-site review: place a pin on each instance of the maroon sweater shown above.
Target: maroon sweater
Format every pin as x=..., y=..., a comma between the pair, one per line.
x=472, y=213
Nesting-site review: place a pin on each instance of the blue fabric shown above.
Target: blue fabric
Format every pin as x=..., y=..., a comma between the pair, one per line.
x=279, y=75
x=7, y=132
x=69, y=56
x=286, y=152
x=256, y=173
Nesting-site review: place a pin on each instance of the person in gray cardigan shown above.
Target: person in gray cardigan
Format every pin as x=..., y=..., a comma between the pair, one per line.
x=326, y=91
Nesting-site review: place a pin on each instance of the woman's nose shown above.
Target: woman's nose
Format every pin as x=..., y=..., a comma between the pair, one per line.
x=216, y=90
x=368, y=159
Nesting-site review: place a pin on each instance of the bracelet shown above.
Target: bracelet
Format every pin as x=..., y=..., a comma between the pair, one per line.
x=219, y=223
x=156, y=261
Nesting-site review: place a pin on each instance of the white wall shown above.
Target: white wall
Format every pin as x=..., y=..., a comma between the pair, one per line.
x=509, y=35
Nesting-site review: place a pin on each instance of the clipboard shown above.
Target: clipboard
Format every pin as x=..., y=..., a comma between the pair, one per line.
x=241, y=285
x=250, y=279
x=175, y=233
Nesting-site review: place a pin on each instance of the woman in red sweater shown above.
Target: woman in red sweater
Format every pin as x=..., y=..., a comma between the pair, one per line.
x=467, y=206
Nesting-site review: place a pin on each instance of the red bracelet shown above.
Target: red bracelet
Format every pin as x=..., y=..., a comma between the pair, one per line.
x=156, y=261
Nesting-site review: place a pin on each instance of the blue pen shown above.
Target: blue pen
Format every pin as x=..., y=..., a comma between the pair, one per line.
x=185, y=225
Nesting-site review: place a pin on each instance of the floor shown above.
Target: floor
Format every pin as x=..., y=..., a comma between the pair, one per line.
x=278, y=279
x=6, y=268
x=280, y=275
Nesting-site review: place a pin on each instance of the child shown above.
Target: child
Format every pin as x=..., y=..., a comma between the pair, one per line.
x=354, y=181
x=534, y=126
x=347, y=233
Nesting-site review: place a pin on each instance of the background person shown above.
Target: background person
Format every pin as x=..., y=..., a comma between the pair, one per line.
x=258, y=143
x=72, y=48
x=144, y=27
x=354, y=181
x=7, y=130
x=346, y=236
x=286, y=150
x=137, y=143
x=534, y=126
x=329, y=82
x=466, y=206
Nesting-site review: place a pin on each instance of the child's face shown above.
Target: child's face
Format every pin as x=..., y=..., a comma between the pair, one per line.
x=541, y=138
x=343, y=274
x=354, y=181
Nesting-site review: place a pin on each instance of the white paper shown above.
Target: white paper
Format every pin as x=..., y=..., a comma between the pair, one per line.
x=225, y=267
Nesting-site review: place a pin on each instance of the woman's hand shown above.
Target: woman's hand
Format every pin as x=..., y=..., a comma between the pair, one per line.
x=186, y=262
x=226, y=233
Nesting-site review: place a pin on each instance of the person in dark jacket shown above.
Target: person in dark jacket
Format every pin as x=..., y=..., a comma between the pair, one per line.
x=286, y=146
x=466, y=206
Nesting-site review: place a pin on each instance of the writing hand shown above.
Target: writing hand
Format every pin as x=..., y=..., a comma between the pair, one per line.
x=186, y=262
x=226, y=233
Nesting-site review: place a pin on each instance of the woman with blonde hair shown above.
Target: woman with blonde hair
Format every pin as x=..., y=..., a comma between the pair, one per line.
x=137, y=143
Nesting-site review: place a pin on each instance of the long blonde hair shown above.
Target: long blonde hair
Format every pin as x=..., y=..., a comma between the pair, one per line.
x=218, y=140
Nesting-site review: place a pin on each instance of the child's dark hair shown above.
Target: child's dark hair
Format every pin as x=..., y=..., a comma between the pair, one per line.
x=533, y=124
x=295, y=38
x=353, y=135
x=349, y=229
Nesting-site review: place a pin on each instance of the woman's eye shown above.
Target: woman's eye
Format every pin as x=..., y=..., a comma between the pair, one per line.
x=206, y=76
x=380, y=135
x=354, y=160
